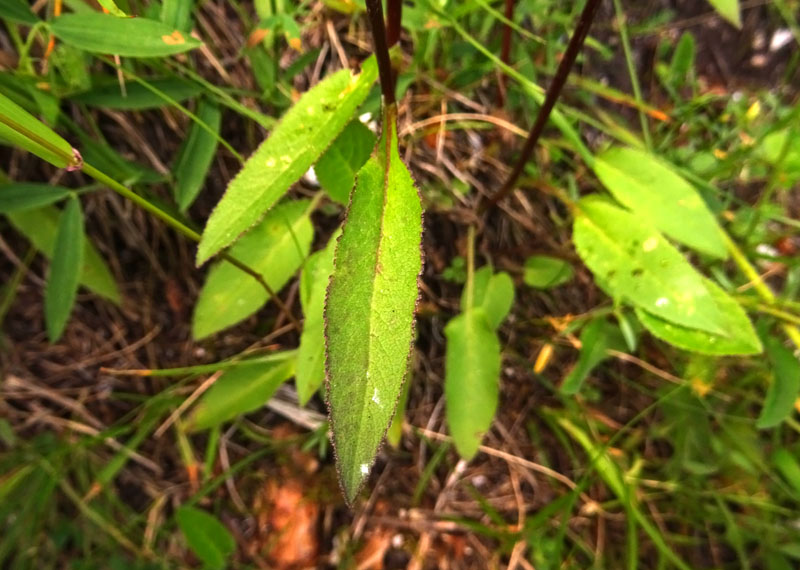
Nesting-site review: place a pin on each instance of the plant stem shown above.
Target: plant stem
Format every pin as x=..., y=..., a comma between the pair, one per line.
x=188, y=232
x=505, y=52
x=378, y=29
x=553, y=92
x=394, y=18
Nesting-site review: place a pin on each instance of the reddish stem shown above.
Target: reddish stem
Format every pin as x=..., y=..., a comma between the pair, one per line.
x=394, y=17
x=505, y=53
x=553, y=92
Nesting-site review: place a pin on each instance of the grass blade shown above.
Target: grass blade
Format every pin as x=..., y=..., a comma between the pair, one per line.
x=65, y=269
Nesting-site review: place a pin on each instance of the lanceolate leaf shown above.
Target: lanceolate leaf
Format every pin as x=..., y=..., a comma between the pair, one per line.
x=40, y=226
x=472, y=374
x=740, y=338
x=785, y=385
x=65, y=269
x=109, y=94
x=196, y=154
x=22, y=129
x=311, y=352
x=307, y=129
x=632, y=261
x=656, y=193
x=131, y=37
x=17, y=196
x=17, y=11
x=275, y=248
x=369, y=313
x=238, y=391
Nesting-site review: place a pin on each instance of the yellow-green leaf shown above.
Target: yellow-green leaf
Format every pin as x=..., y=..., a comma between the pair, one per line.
x=276, y=248
x=238, y=391
x=728, y=9
x=307, y=129
x=632, y=261
x=655, y=192
x=494, y=292
x=472, y=376
x=22, y=129
x=739, y=338
x=369, y=314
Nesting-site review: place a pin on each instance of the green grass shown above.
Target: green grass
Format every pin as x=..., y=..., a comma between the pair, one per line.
x=657, y=461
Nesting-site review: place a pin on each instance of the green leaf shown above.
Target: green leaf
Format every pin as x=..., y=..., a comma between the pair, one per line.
x=632, y=261
x=276, y=248
x=783, y=390
x=596, y=339
x=112, y=8
x=196, y=153
x=17, y=11
x=728, y=9
x=22, y=129
x=307, y=129
x=65, y=267
x=682, y=64
x=657, y=194
x=40, y=227
x=18, y=196
x=369, y=312
x=740, y=337
x=493, y=292
x=336, y=169
x=109, y=95
x=177, y=14
x=311, y=352
x=545, y=272
x=782, y=148
x=472, y=375
x=238, y=391
x=208, y=538
x=130, y=37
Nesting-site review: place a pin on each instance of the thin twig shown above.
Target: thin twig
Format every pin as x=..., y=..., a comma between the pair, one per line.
x=553, y=92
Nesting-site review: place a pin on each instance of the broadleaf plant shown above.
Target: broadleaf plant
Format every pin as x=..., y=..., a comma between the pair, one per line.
x=369, y=313
x=307, y=129
x=473, y=358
